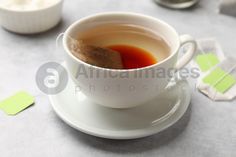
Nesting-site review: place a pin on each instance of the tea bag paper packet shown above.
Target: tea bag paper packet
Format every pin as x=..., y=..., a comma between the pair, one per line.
x=219, y=83
x=208, y=55
x=228, y=7
x=95, y=55
x=16, y=103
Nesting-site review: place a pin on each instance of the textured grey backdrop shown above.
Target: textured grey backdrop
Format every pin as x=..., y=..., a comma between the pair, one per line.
x=208, y=129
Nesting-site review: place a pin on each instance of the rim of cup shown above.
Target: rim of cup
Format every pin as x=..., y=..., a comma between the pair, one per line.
x=72, y=26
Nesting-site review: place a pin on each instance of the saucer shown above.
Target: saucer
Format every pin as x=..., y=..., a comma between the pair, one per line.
x=79, y=112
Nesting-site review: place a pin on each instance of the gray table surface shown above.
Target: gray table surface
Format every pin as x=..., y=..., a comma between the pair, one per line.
x=207, y=129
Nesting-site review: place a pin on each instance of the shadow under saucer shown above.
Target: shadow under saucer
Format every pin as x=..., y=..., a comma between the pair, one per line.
x=134, y=146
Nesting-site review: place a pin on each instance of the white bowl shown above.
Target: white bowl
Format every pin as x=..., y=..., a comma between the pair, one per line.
x=31, y=21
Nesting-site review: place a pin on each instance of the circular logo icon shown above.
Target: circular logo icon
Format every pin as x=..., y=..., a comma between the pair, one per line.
x=51, y=78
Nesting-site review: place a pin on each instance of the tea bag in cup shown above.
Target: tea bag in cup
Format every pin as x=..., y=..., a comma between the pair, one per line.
x=208, y=55
x=219, y=83
x=95, y=55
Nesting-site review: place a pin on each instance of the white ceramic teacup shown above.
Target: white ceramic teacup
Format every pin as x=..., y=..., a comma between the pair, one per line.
x=125, y=88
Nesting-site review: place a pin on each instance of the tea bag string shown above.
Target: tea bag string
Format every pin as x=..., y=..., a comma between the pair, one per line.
x=75, y=46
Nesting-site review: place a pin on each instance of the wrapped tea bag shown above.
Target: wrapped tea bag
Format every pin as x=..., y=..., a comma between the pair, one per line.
x=208, y=55
x=228, y=7
x=219, y=83
x=95, y=55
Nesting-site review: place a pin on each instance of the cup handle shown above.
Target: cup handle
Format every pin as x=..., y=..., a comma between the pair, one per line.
x=186, y=58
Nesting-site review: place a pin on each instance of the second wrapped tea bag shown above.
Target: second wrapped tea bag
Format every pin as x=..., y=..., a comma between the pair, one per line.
x=208, y=55
x=219, y=83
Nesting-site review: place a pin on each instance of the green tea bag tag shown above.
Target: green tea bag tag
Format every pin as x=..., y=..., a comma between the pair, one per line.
x=220, y=82
x=208, y=55
x=207, y=61
x=16, y=103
